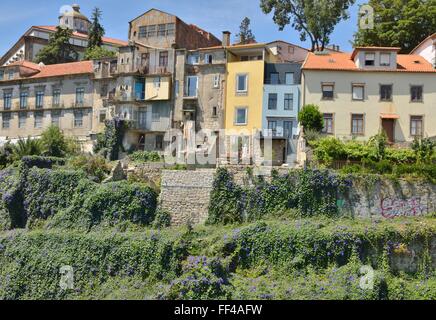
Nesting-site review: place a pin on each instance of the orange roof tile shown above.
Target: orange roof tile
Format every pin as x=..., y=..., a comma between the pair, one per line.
x=63, y=69
x=85, y=36
x=26, y=64
x=336, y=61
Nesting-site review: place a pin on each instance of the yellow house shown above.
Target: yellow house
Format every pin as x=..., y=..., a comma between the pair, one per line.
x=245, y=81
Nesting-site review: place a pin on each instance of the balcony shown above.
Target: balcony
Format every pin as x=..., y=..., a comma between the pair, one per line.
x=105, y=69
x=143, y=69
x=278, y=133
x=81, y=104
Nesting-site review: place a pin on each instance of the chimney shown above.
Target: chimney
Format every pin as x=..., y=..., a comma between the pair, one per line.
x=226, y=38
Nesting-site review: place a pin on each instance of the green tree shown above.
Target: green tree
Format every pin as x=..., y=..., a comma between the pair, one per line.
x=54, y=142
x=314, y=19
x=399, y=23
x=98, y=53
x=96, y=31
x=59, y=48
x=311, y=118
x=245, y=34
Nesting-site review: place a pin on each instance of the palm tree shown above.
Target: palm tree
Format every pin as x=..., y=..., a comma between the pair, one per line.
x=27, y=147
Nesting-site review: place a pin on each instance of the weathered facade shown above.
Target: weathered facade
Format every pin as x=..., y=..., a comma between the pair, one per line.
x=34, y=97
x=145, y=81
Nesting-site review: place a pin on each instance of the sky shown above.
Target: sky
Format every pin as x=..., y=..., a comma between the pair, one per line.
x=213, y=16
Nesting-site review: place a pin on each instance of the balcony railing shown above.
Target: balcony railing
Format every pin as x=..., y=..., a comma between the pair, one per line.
x=278, y=82
x=277, y=133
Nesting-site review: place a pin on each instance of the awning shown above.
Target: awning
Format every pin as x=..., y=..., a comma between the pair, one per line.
x=389, y=116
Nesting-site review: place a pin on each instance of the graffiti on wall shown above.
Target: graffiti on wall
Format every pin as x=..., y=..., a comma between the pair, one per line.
x=394, y=207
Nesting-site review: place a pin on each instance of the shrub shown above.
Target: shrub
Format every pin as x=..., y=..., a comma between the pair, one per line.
x=117, y=202
x=145, y=156
x=162, y=219
x=54, y=142
x=110, y=143
x=94, y=166
x=311, y=118
x=329, y=149
x=6, y=155
x=424, y=149
x=46, y=192
x=42, y=162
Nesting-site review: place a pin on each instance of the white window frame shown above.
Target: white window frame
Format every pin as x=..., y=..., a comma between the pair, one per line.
x=216, y=81
x=236, y=116
x=360, y=86
x=382, y=63
x=245, y=90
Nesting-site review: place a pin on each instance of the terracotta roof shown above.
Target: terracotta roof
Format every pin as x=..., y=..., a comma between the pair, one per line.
x=85, y=36
x=26, y=64
x=433, y=36
x=336, y=61
x=64, y=69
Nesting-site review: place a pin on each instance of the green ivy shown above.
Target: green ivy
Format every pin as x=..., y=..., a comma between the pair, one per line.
x=310, y=192
x=110, y=143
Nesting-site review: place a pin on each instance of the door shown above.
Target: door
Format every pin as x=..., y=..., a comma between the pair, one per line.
x=388, y=126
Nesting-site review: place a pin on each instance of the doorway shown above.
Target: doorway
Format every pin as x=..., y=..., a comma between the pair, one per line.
x=388, y=126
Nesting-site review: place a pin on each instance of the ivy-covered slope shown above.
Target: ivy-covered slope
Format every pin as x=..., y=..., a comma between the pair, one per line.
x=310, y=258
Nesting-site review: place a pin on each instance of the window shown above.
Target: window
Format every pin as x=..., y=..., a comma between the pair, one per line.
x=162, y=32
x=216, y=81
x=56, y=97
x=159, y=142
x=171, y=28
x=328, y=123
x=163, y=59
x=155, y=116
x=38, y=119
x=241, y=116
x=272, y=101
x=80, y=96
x=39, y=99
x=272, y=126
x=328, y=91
x=103, y=91
x=23, y=99
x=11, y=74
x=386, y=92
x=55, y=117
x=416, y=93
x=2, y=74
x=416, y=126
x=156, y=82
x=208, y=58
x=6, y=120
x=385, y=59
x=22, y=117
x=289, y=78
x=241, y=83
x=177, y=88
x=369, y=59
x=151, y=31
x=214, y=111
x=142, y=32
x=274, y=78
x=357, y=124
x=78, y=119
x=192, y=87
x=358, y=92
x=102, y=116
x=7, y=100
x=289, y=101
x=287, y=127
x=194, y=58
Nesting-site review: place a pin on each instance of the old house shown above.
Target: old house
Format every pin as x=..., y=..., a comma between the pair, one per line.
x=35, y=96
x=146, y=90
x=372, y=90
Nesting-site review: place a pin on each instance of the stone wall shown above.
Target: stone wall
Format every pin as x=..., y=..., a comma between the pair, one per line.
x=186, y=194
x=388, y=199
